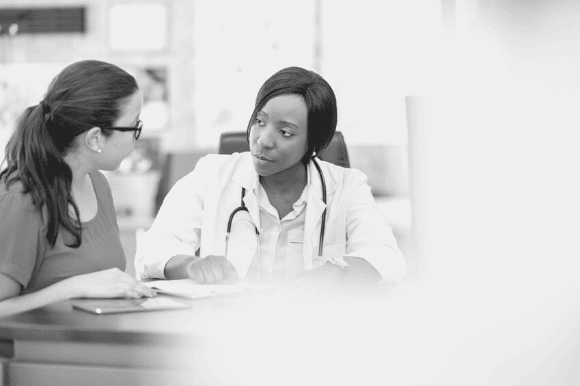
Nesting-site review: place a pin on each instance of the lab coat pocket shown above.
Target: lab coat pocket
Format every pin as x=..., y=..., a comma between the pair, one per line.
x=294, y=248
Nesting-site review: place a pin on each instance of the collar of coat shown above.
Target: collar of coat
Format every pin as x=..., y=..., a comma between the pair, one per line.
x=245, y=174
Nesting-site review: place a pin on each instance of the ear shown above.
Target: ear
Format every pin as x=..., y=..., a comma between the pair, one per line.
x=94, y=139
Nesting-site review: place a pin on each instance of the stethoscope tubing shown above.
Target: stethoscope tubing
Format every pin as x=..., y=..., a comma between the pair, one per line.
x=243, y=207
x=323, y=222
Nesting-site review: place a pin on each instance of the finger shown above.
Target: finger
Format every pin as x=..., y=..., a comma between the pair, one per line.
x=145, y=291
x=217, y=272
x=195, y=273
x=230, y=273
x=207, y=272
x=132, y=294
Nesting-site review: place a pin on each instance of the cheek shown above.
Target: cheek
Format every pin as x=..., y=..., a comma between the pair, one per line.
x=252, y=137
x=301, y=149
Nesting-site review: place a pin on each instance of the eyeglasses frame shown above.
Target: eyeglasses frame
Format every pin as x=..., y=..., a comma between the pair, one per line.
x=137, y=129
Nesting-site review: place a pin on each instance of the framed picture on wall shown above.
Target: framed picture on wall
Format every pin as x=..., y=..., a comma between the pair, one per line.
x=138, y=27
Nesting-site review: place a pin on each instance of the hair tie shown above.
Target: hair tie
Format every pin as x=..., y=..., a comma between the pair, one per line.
x=45, y=107
x=46, y=111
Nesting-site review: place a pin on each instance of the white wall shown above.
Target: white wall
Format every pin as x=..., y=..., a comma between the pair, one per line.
x=374, y=53
x=220, y=52
x=238, y=45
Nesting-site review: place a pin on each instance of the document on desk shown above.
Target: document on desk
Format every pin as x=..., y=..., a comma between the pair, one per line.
x=190, y=289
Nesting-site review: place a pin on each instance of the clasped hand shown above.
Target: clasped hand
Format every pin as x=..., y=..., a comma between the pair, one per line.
x=212, y=270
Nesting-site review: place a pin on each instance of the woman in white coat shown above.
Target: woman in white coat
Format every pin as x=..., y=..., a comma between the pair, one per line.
x=263, y=214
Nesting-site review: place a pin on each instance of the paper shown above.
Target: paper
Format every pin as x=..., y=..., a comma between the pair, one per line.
x=188, y=288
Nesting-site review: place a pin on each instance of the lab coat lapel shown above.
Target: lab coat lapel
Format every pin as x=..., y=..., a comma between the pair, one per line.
x=244, y=177
x=251, y=201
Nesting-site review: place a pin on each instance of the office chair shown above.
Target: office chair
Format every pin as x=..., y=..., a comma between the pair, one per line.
x=176, y=166
x=336, y=151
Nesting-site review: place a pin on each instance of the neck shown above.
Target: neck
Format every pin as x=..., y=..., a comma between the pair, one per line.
x=289, y=179
x=79, y=171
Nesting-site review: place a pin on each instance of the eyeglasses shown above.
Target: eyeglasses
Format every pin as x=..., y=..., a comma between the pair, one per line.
x=137, y=129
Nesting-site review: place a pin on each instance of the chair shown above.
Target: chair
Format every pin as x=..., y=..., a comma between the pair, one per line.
x=176, y=166
x=336, y=152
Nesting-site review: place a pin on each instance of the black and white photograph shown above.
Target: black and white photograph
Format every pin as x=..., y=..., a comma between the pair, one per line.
x=289, y=192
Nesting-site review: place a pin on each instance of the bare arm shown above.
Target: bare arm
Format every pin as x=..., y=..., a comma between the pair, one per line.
x=109, y=283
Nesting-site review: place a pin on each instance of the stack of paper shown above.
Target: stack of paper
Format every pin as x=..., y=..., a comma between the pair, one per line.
x=190, y=289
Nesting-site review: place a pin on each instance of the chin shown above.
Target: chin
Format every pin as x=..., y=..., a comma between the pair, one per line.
x=262, y=172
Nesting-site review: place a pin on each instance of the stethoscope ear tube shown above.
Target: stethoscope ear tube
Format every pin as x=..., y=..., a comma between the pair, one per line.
x=323, y=222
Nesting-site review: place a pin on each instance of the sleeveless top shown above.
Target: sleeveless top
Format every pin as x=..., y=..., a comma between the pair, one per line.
x=26, y=255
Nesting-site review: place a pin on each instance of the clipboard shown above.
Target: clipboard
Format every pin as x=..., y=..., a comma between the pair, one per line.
x=115, y=306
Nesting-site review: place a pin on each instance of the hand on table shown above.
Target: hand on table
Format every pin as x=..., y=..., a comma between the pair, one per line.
x=212, y=270
x=109, y=283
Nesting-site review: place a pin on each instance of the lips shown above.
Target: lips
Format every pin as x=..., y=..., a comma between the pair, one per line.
x=262, y=158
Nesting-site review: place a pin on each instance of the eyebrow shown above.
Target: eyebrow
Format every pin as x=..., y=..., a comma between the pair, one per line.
x=293, y=125
x=288, y=123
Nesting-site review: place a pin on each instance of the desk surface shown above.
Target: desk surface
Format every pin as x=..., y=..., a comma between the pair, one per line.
x=220, y=340
x=425, y=336
x=60, y=321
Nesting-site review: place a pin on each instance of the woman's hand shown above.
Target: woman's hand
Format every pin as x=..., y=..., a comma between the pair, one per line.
x=110, y=283
x=212, y=270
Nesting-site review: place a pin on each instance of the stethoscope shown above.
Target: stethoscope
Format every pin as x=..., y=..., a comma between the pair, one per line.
x=243, y=208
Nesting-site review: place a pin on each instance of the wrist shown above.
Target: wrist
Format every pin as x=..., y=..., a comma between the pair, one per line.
x=178, y=267
x=338, y=264
x=67, y=289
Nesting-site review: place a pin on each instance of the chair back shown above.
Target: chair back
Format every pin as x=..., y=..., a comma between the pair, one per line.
x=176, y=166
x=336, y=151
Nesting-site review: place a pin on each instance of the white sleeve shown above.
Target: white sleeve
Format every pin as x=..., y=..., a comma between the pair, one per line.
x=177, y=227
x=368, y=234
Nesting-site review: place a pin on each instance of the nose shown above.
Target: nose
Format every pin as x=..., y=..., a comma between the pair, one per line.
x=266, y=138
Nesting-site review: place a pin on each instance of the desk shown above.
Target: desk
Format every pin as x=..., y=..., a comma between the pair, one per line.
x=419, y=336
x=241, y=339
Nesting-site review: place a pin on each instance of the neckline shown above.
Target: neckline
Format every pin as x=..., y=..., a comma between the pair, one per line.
x=92, y=219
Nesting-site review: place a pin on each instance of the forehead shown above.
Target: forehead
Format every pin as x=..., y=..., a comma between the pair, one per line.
x=130, y=109
x=287, y=106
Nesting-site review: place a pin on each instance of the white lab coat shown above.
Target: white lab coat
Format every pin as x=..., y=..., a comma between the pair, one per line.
x=195, y=213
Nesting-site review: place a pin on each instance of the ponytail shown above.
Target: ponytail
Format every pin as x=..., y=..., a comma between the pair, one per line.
x=34, y=160
x=83, y=95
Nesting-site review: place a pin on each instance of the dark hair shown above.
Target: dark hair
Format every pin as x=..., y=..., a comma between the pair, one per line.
x=318, y=96
x=84, y=95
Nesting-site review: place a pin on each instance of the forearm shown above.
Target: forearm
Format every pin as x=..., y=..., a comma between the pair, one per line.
x=154, y=250
x=41, y=298
x=360, y=271
x=176, y=267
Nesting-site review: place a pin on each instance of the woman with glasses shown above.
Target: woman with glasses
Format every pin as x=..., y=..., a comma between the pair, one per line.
x=58, y=229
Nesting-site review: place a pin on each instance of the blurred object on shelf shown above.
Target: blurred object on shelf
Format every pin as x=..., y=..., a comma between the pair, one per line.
x=134, y=183
x=144, y=158
x=134, y=193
